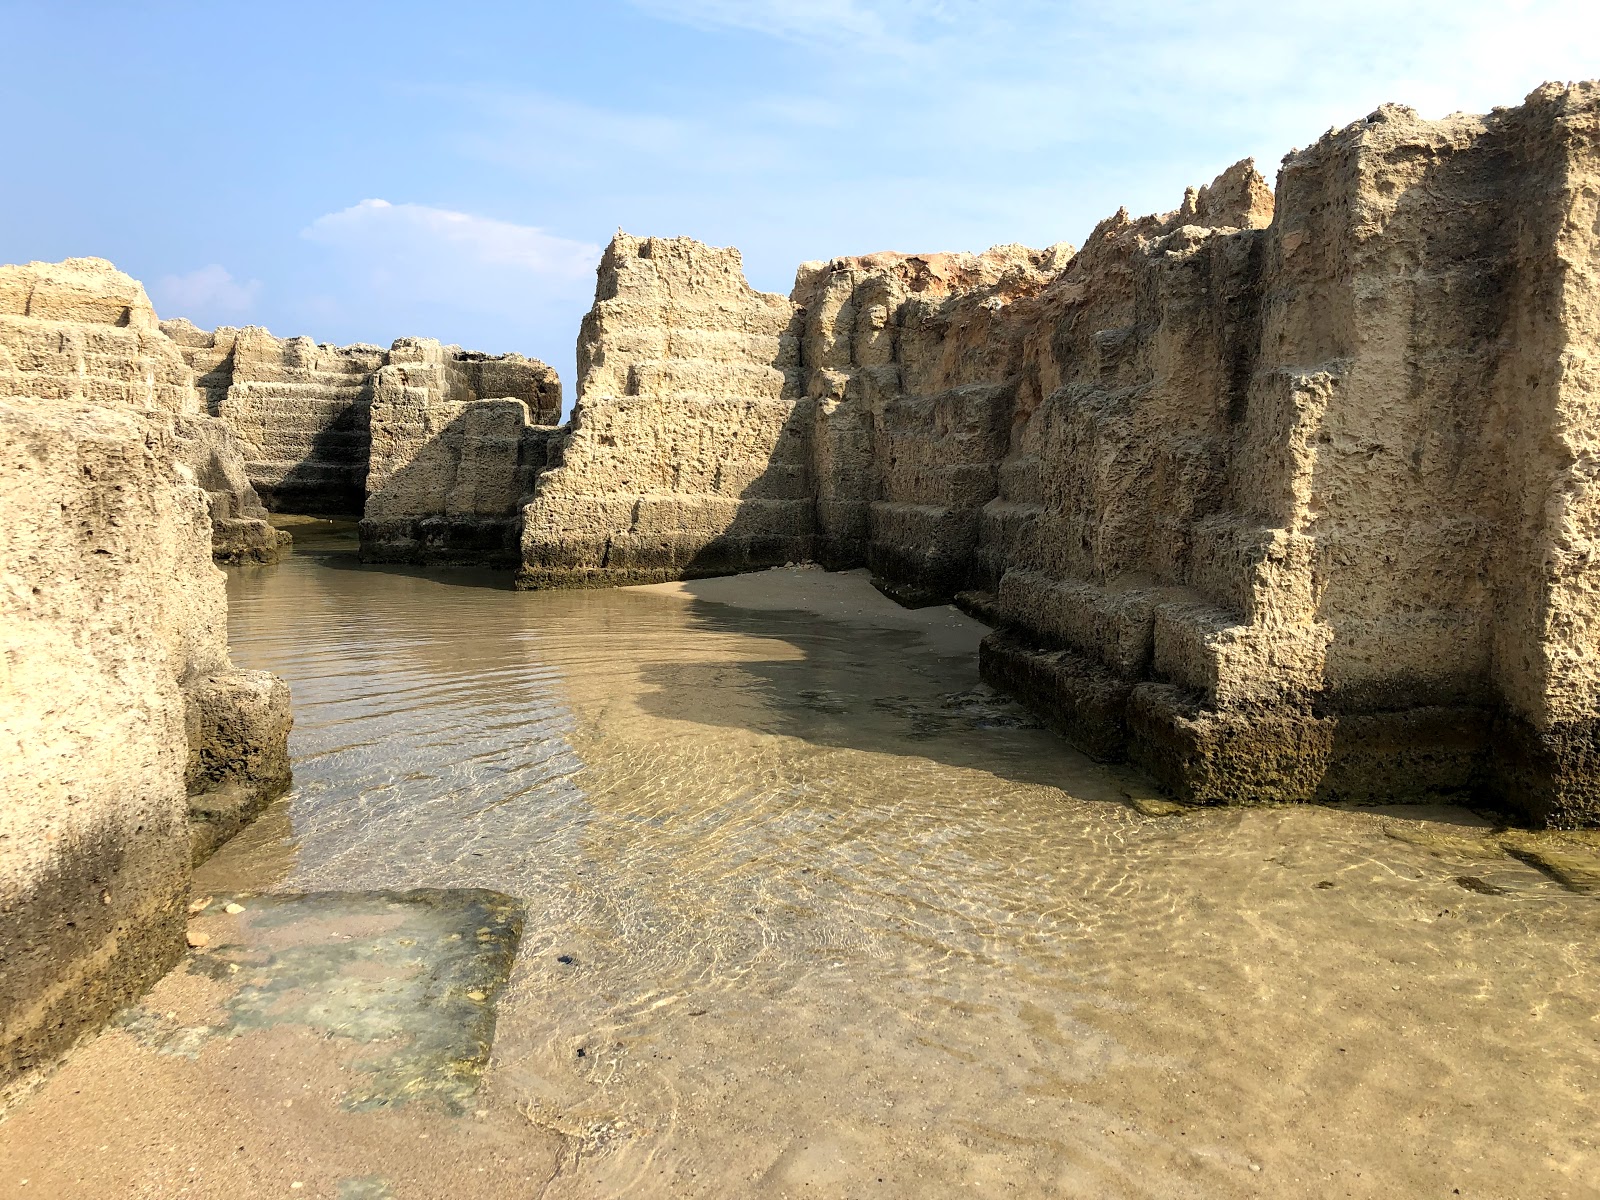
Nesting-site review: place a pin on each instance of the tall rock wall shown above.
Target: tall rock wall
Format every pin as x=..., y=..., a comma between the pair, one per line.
x=434, y=447
x=911, y=368
x=1282, y=498
x=456, y=442
x=128, y=743
x=83, y=330
x=688, y=450
x=299, y=410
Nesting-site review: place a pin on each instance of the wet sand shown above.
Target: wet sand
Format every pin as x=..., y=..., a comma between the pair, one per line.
x=810, y=912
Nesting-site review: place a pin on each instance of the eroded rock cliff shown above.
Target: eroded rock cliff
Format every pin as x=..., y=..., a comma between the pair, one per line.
x=434, y=447
x=128, y=743
x=688, y=449
x=82, y=330
x=1283, y=498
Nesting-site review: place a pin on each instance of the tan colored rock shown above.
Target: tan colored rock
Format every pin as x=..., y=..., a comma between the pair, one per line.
x=298, y=409
x=454, y=452
x=435, y=447
x=1283, y=497
x=911, y=362
x=82, y=330
x=688, y=450
x=113, y=647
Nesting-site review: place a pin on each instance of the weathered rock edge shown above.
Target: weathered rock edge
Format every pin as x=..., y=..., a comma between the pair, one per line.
x=1284, y=497
x=122, y=722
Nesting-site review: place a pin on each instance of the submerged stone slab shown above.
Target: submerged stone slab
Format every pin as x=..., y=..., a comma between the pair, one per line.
x=401, y=984
x=327, y=1045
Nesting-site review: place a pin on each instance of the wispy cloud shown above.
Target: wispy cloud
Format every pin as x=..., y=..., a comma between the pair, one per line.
x=1033, y=118
x=981, y=58
x=551, y=135
x=209, y=295
x=418, y=269
x=894, y=27
x=415, y=244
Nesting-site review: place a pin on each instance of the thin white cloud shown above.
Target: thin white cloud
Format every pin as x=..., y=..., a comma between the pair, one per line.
x=537, y=132
x=978, y=61
x=891, y=27
x=982, y=100
x=209, y=294
x=394, y=269
x=416, y=245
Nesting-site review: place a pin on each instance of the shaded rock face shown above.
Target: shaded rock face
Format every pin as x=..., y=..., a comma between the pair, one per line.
x=1284, y=498
x=299, y=410
x=434, y=447
x=114, y=652
x=456, y=440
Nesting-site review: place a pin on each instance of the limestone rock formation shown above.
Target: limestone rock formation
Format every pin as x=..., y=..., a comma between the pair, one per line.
x=1281, y=497
x=81, y=329
x=910, y=363
x=299, y=410
x=435, y=447
x=456, y=440
x=240, y=528
x=114, y=651
x=688, y=448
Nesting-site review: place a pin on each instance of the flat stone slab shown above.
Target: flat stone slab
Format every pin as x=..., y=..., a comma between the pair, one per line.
x=410, y=977
x=324, y=1044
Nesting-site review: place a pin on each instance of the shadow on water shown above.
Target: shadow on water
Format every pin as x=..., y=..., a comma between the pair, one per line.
x=858, y=686
x=335, y=543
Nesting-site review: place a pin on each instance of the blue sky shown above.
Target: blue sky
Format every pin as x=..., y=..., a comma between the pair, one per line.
x=360, y=172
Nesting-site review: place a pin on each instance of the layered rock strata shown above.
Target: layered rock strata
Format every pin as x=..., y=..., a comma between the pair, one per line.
x=434, y=447
x=688, y=451
x=1283, y=498
x=456, y=440
x=121, y=719
x=60, y=338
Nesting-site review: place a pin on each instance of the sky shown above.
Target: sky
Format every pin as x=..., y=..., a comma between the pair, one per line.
x=361, y=172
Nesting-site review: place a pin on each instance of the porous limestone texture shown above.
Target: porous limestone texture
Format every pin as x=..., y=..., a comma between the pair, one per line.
x=299, y=410
x=688, y=449
x=456, y=440
x=1283, y=497
x=433, y=446
x=910, y=365
x=83, y=329
x=113, y=656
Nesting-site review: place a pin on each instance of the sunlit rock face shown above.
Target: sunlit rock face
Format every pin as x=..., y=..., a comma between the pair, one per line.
x=433, y=446
x=689, y=447
x=1283, y=497
x=121, y=718
x=81, y=329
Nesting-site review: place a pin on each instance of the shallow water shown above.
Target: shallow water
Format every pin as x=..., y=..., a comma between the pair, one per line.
x=812, y=913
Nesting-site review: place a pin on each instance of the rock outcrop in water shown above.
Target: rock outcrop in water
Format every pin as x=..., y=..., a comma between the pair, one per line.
x=1282, y=498
x=434, y=447
x=129, y=745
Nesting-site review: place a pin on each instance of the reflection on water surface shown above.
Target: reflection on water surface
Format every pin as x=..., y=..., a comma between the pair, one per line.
x=813, y=913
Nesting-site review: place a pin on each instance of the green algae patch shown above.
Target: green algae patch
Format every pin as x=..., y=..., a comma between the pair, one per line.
x=403, y=982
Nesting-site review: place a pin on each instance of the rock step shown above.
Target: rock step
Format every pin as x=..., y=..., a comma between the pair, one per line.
x=672, y=376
